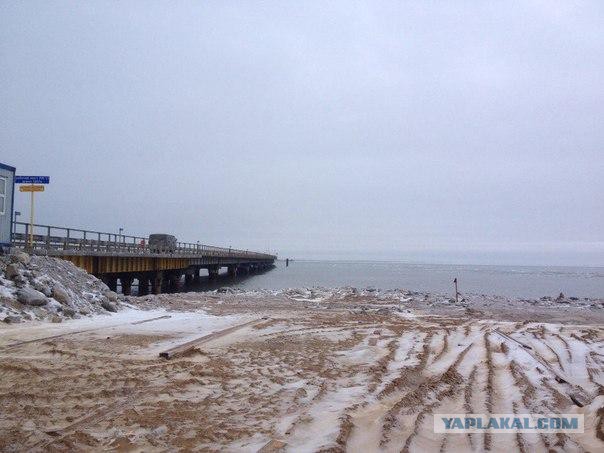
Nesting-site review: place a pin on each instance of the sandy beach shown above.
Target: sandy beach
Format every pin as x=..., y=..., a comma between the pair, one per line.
x=308, y=370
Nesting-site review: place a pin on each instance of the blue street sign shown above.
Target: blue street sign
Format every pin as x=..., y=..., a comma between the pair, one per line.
x=32, y=179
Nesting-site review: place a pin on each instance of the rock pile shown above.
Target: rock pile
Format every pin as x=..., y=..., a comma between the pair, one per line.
x=40, y=287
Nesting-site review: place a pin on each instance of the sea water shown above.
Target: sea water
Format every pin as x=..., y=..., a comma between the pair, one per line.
x=510, y=281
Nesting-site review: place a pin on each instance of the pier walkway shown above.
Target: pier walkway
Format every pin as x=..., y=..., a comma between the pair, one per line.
x=113, y=257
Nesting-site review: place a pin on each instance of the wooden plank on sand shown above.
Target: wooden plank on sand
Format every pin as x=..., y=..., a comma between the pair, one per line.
x=149, y=320
x=577, y=394
x=189, y=345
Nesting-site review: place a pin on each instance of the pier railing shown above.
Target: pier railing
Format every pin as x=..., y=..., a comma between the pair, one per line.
x=48, y=239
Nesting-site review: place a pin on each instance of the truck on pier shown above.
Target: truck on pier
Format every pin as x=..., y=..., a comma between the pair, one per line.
x=162, y=243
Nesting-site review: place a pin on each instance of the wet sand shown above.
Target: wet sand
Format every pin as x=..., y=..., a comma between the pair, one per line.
x=325, y=372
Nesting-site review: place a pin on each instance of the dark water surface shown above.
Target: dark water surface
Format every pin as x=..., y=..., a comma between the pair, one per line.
x=511, y=281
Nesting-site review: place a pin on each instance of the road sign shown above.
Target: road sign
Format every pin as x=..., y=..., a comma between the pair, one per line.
x=31, y=188
x=32, y=179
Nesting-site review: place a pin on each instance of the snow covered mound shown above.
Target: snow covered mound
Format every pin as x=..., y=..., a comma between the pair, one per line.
x=40, y=287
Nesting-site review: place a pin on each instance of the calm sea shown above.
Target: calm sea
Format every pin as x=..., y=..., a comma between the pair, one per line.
x=511, y=281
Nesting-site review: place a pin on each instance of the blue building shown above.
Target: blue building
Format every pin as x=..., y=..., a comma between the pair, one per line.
x=7, y=200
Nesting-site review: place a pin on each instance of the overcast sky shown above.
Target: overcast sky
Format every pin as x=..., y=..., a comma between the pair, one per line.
x=438, y=131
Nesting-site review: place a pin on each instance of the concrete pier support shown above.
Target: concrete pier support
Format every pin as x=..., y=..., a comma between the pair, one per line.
x=111, y=282
x=174, y=281
x=213, y=272
x=243, y=270
x=232, y=270
x=156, y=282
x=143, y=285
x=126, y=282
x=188, y=279
x=197, y=275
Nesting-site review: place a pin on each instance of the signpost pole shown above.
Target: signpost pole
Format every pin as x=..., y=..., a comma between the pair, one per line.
x=31, y=219
x=31, y=185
